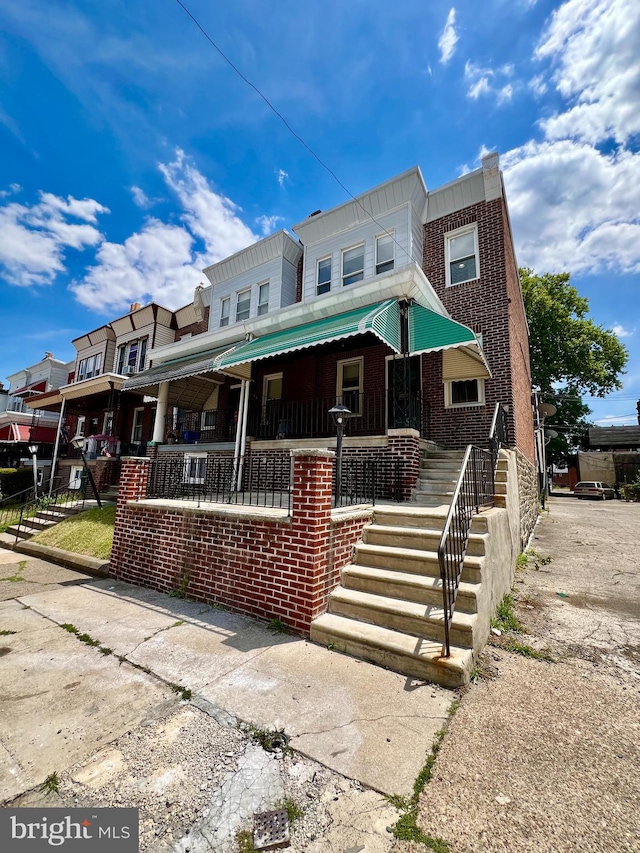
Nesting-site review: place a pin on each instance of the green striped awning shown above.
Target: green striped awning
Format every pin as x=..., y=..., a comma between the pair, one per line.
x=383, y=319
x=431, y=332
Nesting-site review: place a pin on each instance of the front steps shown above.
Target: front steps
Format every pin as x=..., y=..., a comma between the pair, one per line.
x=42, y=520
x=437, y=478
x=388, y=608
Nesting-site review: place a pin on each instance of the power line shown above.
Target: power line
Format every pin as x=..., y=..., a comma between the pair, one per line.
x=288, y=126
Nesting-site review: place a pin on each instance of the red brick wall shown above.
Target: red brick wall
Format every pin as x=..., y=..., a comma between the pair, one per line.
x=492, y=305
x=272, y=569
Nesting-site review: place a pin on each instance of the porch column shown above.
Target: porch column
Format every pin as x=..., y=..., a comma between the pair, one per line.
x=57, y=444
x=161, y=412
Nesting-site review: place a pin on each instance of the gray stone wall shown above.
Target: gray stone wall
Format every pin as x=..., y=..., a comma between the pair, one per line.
x=528, y=490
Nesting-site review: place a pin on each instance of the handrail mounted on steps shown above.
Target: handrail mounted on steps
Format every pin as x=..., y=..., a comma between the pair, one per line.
x=475, y=489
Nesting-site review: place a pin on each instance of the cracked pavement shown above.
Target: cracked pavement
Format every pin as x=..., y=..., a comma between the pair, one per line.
x=110, y=722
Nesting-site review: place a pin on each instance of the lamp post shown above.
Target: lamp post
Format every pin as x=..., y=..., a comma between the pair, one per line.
x=33, y=450
x=339, y=413
x=78, y=443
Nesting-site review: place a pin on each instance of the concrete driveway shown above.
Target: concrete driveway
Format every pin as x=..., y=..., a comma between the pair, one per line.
x=544, y=756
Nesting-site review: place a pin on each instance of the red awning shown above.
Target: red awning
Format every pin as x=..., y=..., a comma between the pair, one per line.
x=23, y=433
x=37, y=388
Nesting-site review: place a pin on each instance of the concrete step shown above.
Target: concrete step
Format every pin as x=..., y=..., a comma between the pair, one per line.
x=445, y=454
x=434, y=486
x=38, y=523
x=413, y=561
x=452, y=468
x=408, y=617
x=448, y=476
x=424, y=539
x=442, y=498
x=407, y=587
x=22, y=532
x=421, y=517
x=58, y=513
x=402, y=653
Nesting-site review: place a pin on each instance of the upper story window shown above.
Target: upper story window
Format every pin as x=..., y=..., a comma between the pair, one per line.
x=324, y=276
x=462, y=255
x=225, y=311
x=263, y=298
x=243, y=306
x=132, y=356
x=89, y=367
x=352, y=265
x=384, y=253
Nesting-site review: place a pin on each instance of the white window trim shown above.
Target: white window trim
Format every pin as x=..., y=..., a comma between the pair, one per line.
x=339, y=390
x=240, y=293
x=224, y=299
x=392, y=236
x=448, y=396
x=134, y=424
x=187, y=460
x=362, y=244
x=448, y=237
x=263, y=305
x=318, y=262
x=269, y=377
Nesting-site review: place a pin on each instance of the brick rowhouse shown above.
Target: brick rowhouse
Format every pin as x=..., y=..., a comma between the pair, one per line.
x=278, y=567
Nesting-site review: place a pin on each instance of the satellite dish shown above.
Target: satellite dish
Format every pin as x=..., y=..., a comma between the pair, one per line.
x=550, y=433
x=547, y=409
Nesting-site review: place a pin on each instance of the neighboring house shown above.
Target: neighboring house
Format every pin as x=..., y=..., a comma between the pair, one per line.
x=22, y=426
x=612, y=455
x=91, y=397
x=403, y=306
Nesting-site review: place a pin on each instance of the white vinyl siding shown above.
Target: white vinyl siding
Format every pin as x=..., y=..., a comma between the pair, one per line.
x=280, y=274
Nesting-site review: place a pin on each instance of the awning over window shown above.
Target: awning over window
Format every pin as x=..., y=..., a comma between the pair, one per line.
x=23, y=434
x=431, y=332
x=382, y=319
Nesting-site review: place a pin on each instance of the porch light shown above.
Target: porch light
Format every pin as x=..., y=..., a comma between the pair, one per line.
x=33, y=450
x=339, y=413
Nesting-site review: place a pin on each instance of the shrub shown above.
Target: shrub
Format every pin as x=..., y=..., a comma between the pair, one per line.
x=15, y=480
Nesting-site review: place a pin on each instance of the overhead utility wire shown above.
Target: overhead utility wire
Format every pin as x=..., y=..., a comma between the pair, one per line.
x=287, y=125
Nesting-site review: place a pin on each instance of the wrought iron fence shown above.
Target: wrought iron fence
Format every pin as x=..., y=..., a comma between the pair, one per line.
x=474, y=490
x=365, y=480
x=61, y=497
x=10, y=507
x=256, y=480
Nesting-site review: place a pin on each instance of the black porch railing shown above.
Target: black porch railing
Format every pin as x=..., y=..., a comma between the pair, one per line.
x=11, y=505
x=257, y=481
x=61, y=497
x=273, y=419
x=475, y=490
x=365, y=480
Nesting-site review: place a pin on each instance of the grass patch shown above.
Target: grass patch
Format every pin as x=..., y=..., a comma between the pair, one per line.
x=89, y=532
x=505, y=618
x=51, y=784
x=512, y=645
x=6, y=633
x=245, y=841
x=521, y=561
x=293, y=810
x=278, y=626
x=271, y=740
x=183, y=692
x=406, y=828
x=17, y=577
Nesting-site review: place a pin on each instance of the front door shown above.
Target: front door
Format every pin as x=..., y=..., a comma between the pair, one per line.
x=403, y=392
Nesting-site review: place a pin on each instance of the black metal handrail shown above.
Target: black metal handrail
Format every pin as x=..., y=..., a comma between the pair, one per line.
x=364, y=480
x=255, y=481
x=63, y=496
x=498, y=434
x=474, y=490
x=10, y=506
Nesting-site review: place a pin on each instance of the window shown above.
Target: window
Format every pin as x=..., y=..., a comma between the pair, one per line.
x=465, y=392
x=263, y=298
x=324, y=276
x=82, y=370
x=143, y=353
x=136, y=430
x=243, y=306
x=350, y=384
x=225, y=311
x=352, y=265
x=384, y=253
x=462, y=255
x=195, y=467
x=122, y=355
x=132, y=356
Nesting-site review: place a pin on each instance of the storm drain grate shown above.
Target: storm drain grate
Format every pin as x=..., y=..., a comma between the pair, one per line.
x=271, y=830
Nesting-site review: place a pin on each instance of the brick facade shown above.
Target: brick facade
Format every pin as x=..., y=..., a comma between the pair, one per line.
x=492, y=305
x=275, y=567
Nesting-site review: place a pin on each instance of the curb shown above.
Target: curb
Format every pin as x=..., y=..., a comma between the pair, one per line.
x=79, y=562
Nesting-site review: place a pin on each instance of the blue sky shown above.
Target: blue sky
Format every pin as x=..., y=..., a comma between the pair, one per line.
x=133, y=155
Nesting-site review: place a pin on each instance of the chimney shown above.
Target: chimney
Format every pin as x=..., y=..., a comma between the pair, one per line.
x=48, y=355
x=134, y=307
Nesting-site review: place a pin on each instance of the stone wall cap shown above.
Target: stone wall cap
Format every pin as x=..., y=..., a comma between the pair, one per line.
x=348, y=513
x=313, y=451
x=135, y=459
x=403, y=433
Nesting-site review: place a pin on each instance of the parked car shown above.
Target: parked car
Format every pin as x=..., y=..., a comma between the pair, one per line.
x=593, y=489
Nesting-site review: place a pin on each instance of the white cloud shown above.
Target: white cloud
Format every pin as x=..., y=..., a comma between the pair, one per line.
x=538, y=86
x=163, y=262
x=268, y=223
x=575, y=202
x=140, y=198
x=282, y=176
x=489, y=81
x=621, y=332
x=448, y=38
x=33, y=238
x=480, y=87
x=505, y=94
x=593, y=46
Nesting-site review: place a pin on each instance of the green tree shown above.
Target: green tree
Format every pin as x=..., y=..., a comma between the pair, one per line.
x=570, y=355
